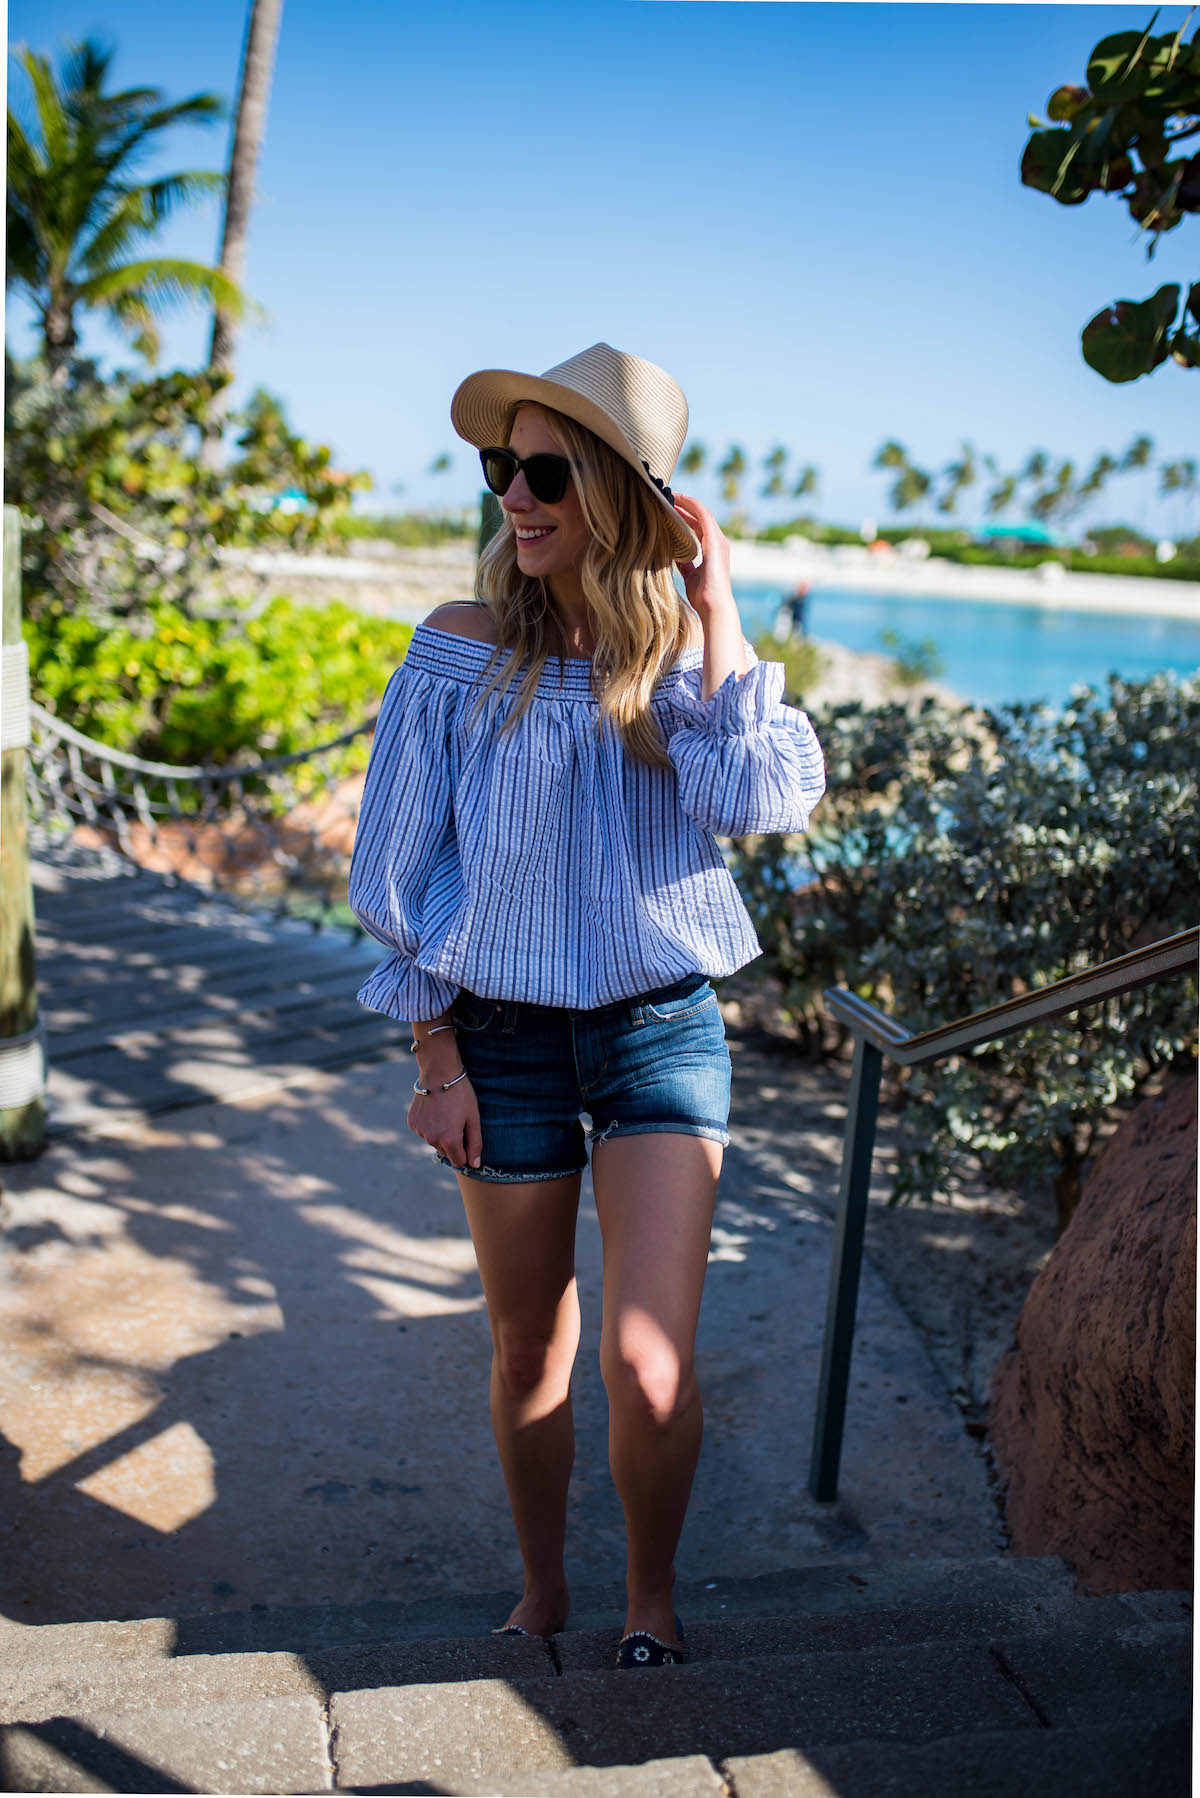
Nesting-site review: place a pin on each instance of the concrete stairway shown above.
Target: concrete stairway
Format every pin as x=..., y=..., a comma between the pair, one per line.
x=901, y=1679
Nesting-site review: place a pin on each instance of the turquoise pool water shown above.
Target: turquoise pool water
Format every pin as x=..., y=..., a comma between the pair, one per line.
x=994, y=652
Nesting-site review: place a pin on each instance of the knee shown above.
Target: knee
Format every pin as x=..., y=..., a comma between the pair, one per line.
x=650, y=1382
x=525, y=1360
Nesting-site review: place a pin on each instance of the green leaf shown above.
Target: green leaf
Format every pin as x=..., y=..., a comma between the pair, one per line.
x=1187, y=196
x=1066, y=103
x=1129, y=339
x=1117, y=70
x=1050, y=165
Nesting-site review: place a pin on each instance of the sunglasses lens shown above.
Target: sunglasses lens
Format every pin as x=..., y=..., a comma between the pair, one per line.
x=547, y=477
x=498, y=469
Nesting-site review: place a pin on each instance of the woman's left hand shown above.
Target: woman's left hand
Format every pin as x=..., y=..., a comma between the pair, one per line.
x=706, y=583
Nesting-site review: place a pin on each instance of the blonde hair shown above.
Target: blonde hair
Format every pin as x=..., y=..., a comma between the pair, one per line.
x=639, y=621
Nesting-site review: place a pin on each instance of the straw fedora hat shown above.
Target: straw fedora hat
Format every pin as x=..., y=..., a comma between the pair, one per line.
x=632, y=404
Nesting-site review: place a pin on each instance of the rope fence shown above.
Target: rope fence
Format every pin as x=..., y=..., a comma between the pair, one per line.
x=276, y=832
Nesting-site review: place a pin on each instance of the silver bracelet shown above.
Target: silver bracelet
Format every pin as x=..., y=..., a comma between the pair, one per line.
x=415, y=1045
x=446, y=1084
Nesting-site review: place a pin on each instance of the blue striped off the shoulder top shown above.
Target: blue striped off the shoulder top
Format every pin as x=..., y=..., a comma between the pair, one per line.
x=546, y=865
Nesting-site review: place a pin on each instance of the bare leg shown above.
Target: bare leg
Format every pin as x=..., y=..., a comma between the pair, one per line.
x=524, y=1237
x=654, y=1196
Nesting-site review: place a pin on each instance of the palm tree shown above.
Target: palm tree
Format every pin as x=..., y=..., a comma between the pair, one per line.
x=773, y=466
x=1136, y=458
x=731, y=471
x=911, y=484
x=959, y=475
x=258, y=58
x=75, y=210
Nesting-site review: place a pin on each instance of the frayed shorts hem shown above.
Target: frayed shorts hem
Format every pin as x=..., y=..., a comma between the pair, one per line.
x=500, y=1176
x=497, y=1176
x=677, y=1127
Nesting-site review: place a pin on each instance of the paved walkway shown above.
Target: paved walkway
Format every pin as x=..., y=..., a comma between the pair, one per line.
x=243, y=1360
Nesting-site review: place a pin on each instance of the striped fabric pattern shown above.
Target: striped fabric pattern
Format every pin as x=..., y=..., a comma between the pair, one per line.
x=546, y=865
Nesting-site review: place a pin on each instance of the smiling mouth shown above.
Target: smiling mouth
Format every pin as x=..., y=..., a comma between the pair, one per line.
x=535, y=536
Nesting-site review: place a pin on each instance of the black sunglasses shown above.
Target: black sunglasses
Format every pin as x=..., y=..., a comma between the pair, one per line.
x=546, y=476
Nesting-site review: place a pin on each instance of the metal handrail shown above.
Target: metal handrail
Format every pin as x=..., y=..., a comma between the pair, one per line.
x=1069, y=994
x=876, y=1035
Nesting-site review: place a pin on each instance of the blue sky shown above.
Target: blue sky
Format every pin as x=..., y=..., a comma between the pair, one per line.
x=810, y=214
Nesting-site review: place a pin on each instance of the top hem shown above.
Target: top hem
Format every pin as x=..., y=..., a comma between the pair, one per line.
x=463, y=659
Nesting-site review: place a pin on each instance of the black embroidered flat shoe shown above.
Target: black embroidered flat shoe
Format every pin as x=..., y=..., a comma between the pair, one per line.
x=640, y=1649
x=511, y=1629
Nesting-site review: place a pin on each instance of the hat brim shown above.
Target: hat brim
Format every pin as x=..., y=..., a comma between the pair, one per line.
x=480, y=411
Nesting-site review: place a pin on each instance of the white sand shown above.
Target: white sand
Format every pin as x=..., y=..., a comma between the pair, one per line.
x=407, y=583
x=1051, y=586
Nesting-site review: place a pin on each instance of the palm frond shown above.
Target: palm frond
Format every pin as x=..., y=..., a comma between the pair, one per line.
x=83, y=69
x=52, y=119
x=24, y=261
x=168, y=282
x=138, y=211
x=203, y=108
x=117, y=233
x=24, y=159
x=132, y=314
x=184, y=189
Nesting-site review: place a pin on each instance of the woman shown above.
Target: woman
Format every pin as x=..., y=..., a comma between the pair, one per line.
x=536, y=846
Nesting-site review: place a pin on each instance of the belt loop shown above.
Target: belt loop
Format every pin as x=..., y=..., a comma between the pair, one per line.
x=510, y=1017
x=633, y=1011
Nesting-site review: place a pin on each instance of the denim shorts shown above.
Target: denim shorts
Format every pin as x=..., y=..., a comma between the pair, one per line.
x=656, y=1062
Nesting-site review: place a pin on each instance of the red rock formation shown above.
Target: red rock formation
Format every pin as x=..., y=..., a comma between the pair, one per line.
x=1091, y=1415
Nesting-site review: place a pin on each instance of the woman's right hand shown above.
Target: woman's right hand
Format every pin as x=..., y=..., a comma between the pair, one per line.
x=448, y=1121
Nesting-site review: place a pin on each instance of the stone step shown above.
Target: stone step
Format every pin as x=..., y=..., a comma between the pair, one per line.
x=1111, y=1761
x=282, y=1748
x=452, y=1735
x=296, y=1727
x=251, y=1745
x=822, y=1589
x=1114, y=1761
x=65, y=1683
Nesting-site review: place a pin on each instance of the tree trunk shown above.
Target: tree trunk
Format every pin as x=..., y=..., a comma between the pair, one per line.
x=262, y=35
x=59, y=339
x=22, y=1068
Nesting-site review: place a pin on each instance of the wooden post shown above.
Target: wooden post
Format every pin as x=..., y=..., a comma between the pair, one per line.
x=22, y=1075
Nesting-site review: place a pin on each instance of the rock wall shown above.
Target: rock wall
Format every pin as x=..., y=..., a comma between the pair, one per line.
x=1091, y=1415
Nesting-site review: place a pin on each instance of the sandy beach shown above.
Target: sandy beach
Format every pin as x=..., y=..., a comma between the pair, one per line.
x=407, y=583
x=1050, y=586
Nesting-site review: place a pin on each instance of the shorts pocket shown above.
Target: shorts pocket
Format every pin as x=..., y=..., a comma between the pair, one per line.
x=474, y=1015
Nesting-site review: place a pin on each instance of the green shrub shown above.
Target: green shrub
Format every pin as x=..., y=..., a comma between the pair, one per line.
x=917, y=659
x=803, y=663
x=961, y=858
x=411, y=530
x=119, y=507
x=211, y=691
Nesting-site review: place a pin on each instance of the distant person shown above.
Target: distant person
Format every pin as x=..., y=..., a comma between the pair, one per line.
x=536, y=847
x=791, y=620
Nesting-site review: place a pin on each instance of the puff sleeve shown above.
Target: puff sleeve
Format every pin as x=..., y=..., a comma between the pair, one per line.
x=405, y=841
x=745, y=762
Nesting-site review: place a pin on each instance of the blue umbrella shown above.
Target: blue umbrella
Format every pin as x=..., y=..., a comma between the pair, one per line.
x=1027, y=533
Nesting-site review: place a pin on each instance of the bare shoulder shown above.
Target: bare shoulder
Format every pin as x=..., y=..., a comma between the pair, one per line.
x=695, y=634
x=464, y=619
